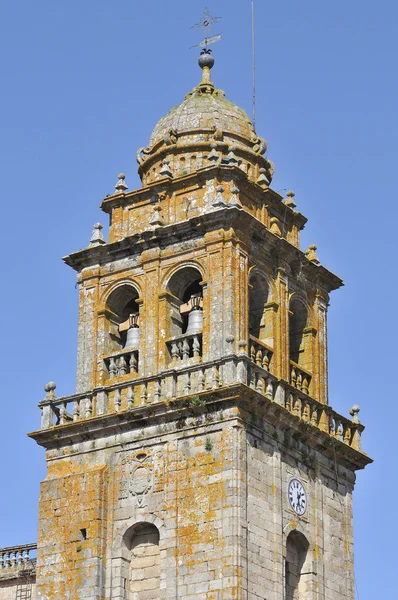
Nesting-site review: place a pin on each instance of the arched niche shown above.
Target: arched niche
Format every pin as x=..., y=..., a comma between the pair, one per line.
x=300, y=335
x=298, y=570
x=121, y=303
x=141, y=567
x=261, y=310
x=182, y=286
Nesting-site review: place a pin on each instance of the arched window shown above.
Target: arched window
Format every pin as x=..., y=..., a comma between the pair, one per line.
x=122, y=313
x=142, y=542
x=185, y=319
x=297, y=571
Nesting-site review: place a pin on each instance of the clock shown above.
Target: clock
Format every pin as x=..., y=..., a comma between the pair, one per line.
x=297, y=496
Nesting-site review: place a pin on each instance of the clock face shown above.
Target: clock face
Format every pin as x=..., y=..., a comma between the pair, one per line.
x=297, y=496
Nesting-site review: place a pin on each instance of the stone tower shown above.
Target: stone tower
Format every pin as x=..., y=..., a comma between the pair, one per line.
x=199, y=457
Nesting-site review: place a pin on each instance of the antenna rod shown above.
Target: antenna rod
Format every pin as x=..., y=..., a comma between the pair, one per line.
x=253, y=69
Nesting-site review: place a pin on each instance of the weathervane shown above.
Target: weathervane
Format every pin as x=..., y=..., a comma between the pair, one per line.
x=206, y=23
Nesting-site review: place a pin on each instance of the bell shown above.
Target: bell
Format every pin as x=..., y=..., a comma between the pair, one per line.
x=133, y=333
x=133, y=337
x=195, y=317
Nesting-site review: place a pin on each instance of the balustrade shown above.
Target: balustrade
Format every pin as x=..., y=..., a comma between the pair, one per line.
x=122, y=363
x=184, y=347
x=189, y=378
x=18, y=557
x=299, y=378
x=260, y=353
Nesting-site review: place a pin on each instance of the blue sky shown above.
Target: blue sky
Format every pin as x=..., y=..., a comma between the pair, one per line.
x=83, y=84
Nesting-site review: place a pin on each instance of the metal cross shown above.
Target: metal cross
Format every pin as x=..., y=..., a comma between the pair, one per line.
x=206, y=23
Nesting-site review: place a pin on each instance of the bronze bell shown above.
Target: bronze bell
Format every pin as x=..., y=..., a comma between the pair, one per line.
x=195, y=317
x=133, y=333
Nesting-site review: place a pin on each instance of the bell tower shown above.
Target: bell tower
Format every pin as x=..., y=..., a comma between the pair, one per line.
x=199, y=457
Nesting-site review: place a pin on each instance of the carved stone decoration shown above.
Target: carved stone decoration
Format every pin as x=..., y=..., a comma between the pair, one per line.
x=170, y=138
x=142, y=154
x=259, y=145
x=137, y=477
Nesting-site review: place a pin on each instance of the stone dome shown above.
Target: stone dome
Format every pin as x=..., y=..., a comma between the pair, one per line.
x=204, y=127
x=202, y=113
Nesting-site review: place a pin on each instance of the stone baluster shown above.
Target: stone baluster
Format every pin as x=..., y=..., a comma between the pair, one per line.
x=121, y=366
x=201, y=379
x=89, y=407
x=185, y=349
x=144, y=392
x=216, y=377
x=187, y=383
x=266, y=360
x=347, y=434
x=305, y=384
x=76, y=410
x=324, y=421
x=299, y=380
x=332, y=426
x=293, y=376
x=20, y=558
x=157, y=391
x=289, y=401
x=259, y=383
x=314, y=418
x=7, y=560
x=196, y=346
x=269, y=392
x=13, y=559
x=175, y=352
x=252, y=352
x=112, y=368
x=252, y=382
x=63, y=413
x=26, y=557
x=305, y=413
x=130, y=397
x=133, y=362
x=297, y=407
x=117, y=400
x=259, y=357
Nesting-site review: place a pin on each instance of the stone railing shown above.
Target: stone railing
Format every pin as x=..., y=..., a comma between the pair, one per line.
x=184, y=347
x=260, y=353
x=324, y=418
x=191, y=379
x=300, y=378
x=17, y=557
x=121, y=363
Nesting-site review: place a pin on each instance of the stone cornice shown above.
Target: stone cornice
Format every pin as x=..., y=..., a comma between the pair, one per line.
x=242, y=398
x=225, y=218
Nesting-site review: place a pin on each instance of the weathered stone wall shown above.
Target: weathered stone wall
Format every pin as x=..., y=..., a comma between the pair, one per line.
x=185, y=481
x=328, y=565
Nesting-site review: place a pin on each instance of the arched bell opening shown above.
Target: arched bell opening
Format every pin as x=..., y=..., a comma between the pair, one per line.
x=298, y=571
x=261, y=321
x=300, y=350
x=186, y=296
x=185, y=308
x=142, y=568
x=122, y=311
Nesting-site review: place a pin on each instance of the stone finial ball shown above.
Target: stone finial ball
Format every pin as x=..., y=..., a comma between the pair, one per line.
x=50, y=386
x=206, y=60
x=121, y=176
x=355, y=409
x=290, y=194
x=97, y=226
